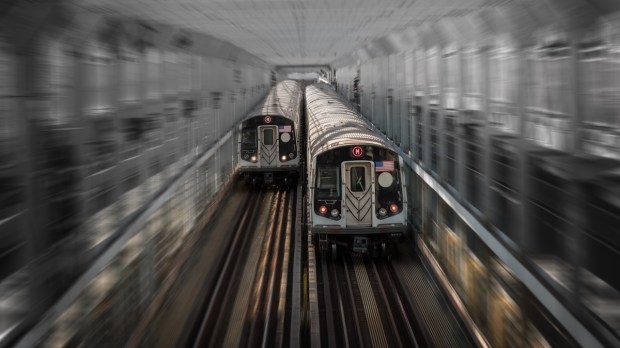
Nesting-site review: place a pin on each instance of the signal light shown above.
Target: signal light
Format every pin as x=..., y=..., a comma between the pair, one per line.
x=323, y=210
x=394, y=208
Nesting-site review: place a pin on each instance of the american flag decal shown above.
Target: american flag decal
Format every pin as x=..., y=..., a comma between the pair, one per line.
x=384, y=166
x=284, y=129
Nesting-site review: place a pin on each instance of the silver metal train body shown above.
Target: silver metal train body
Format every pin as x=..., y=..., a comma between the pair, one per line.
x=269, y=145
x=356, y=194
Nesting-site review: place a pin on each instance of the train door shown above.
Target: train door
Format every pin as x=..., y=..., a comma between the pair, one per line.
x=358, y=179
x=268, y=146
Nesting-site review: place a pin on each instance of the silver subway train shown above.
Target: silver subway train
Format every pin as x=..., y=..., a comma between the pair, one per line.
x=269, y=136
x=356, y=194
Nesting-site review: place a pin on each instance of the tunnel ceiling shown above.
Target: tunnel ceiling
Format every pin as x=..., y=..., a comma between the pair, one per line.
x=292, y=32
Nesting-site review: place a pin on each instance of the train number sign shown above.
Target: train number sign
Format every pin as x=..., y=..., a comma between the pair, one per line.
x=357, y=151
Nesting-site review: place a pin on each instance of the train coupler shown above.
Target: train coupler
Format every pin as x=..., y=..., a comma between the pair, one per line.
x=360, y=244
x=268, y=178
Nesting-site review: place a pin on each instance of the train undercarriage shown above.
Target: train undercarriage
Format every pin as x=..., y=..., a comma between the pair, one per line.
x=257, y=179
x=375, y=244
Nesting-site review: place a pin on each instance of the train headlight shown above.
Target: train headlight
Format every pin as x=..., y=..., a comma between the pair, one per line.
x=382, y=212
x=385, y=179
x=323, y=210
x=335, y=213
x=283, y=158
x=291, y=155
x=394, y=208
x=253, y=158
x=246, y=156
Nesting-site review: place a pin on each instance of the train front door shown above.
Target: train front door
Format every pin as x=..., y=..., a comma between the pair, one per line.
x=268, y=146
x=358, y=179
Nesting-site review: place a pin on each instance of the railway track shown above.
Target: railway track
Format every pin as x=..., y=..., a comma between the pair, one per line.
x=246, y=305
x=253, y=287
x=363, y=305
x=217, y=297
x=266, y=311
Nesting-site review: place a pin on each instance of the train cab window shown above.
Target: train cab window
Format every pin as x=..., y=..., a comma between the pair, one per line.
x=248, y=138
x=268, y=136
x=328, y=182
x=357, y=179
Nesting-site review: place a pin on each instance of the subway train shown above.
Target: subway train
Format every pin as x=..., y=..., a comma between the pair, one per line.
x=269, y=136
x=356, y=194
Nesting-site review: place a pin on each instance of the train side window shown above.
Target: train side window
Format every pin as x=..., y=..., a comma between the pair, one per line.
x=357, y=179
x=328, y=185
x=268, y=136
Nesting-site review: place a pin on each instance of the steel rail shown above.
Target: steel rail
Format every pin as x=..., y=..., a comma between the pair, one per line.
x=229, y=264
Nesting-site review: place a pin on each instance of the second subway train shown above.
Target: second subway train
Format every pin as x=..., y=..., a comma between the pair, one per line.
x=356, y=196
x=269, y=136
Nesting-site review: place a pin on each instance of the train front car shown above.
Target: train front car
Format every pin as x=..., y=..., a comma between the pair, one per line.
x=356, y=194
x=269, y=136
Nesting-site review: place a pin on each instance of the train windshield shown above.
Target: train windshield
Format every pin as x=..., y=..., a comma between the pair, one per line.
x=358, y=179
x=248, y=138
x=328, y=183
x=268, y=136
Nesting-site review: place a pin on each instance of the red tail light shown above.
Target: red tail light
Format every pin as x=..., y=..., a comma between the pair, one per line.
x=323, y=210
x=394, y=208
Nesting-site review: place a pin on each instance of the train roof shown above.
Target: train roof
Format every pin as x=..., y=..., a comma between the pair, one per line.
x=284, y=99
x=333, y=123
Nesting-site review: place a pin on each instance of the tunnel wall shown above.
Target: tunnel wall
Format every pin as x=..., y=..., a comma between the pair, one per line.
x=509, y=121
x=100, y=115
